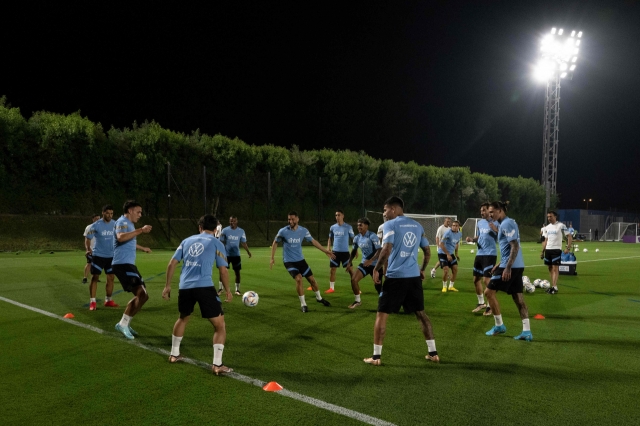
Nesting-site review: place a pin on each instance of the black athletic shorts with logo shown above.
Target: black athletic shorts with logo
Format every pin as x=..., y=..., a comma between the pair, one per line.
x=128, y=275
x=100, y=264
x=444, y=262
x=206, y=297
x=552, y=257
x=513, y=286
x=401, y=292
x=342, y=257
x=366, y=270
x=89, y=257
x=234, y=262
x=299, y=267
x=483, y=265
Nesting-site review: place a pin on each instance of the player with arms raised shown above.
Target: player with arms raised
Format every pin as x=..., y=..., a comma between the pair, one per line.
x=370, y=245
x=486, y=256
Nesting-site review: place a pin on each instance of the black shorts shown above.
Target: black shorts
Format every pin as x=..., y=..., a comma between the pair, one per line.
x=100, y=264
x=444, y=262
x=128, y=276
x=483, y=265
x=207, y=298
x=405, y=292
x=89, y=257
x=514, y=285
x=342, y=257
x=299, y=267
x=366, y=270
x=552, y=257
x=235, y=262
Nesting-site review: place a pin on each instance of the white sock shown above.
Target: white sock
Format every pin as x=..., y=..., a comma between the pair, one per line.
x=525, y=325
x=498, y=319
x=302, y=301
x=220, y=284
x=93, y=299
x=126, y=319
x=444, y=284
x=431, y=345
x=318, y=296
x=238, y=287
x=377, y=349
x=357, y=298
x=107, y=299
x=480, y=299
x=450, y=284
x=555, y=287
x=217, y=354
x=433, y=270
x=332, y=285
x=175, y=345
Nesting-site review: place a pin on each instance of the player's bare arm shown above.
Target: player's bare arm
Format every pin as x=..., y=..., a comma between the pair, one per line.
x=384, y=256
x=354, y=252
x=425, y=261
x=322, y=249
x=171, y=267
x=274, y=247
x=544, y=246
x=123, y=237
x=87, y=245
x=143, y=248
x=373, y=258
x=506, y=274
x=569, y=241
x=444, y=249
x=246, y=247
x=224, y=277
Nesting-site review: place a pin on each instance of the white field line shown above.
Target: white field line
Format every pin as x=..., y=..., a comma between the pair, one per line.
x=579, y=262
x=294, y=395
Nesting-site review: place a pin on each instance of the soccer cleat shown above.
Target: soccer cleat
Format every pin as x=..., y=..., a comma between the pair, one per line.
x=238, y=293
x=125, y=331
x=111, y=304
x=444, y=289
x=173, y=359
x=496, y=329
x=310, y=288
x=488, y=312
x=304, y=309
x=373, y=361
x=525, y=335
x=453, y=289
x=221, y=369
x=433, y=358
x=84, y=281
x=132, y=331
x=551, y=290
x=92, y=306
x=354, y=305
x=324, y=302
x=329, y=291
x=433, y=273
x=480, y=307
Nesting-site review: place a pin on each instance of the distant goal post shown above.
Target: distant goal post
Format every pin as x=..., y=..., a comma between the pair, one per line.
x=621, y=231
x=430, y=222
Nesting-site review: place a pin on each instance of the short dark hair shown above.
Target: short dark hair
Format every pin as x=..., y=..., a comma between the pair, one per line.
x=94, y=215
x=500, y=205
x=107, y=207
x=339, y=211
x=553, y=213
x=456, y=221
x=394, y=201
x=208, y=222
x=129, y=204
x=233, y=217
x=485, y=204
x=293, y=213
x=364, y=220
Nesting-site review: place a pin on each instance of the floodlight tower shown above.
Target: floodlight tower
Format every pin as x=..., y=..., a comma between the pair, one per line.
x=558, y=60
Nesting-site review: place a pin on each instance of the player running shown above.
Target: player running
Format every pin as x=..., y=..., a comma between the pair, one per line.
x=486, y=256
x=403, y=286
x=439, y=234
x=370, y=245
x=449, y=244
x=339, y=234
x=123, y=264
x=99, y=245
x=200, y=253
x=552, y=248
x=507, y=276
x=233, y=237
x=291, y=237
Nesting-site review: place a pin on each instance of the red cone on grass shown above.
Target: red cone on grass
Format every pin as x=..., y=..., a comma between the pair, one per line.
x=69, y=315
x=539, y=316
x=272, y=387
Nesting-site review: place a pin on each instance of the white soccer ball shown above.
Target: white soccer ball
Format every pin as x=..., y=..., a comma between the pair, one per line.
x=545, y=284
x=597, y=250
x=250, y=299
x=536, y=282
x=585, y=250
x=529, y=288
x=526, y=280
x=473, y=251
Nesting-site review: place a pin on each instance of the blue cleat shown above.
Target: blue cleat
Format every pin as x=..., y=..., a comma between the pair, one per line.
x=496, y=329
x=125, y=331
x=133, y=332
x=525, y=335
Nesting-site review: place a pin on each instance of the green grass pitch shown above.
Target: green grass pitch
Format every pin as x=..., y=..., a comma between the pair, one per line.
x=583, y=366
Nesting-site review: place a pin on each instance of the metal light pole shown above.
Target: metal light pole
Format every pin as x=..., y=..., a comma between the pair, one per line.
x=588, y=200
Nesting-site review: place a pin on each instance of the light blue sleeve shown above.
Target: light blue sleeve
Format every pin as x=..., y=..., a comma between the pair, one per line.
x=388, y=233
x=221, y=255
x=178, y=254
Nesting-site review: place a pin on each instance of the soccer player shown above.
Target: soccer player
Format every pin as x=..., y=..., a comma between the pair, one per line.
x=449, y=244
x=199, y=254
x=339, y=234
x=291, y=237
x=218, y=230
x=552, y=248
x=123, y=264
x=233, y=237
x=507, y=276
x=87, y=267
x=370, y=245
x=99, y=243
x=403, y=286
x=486, y=256
x=439, y=233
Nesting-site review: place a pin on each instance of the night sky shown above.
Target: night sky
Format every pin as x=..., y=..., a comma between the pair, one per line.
x=444, y=83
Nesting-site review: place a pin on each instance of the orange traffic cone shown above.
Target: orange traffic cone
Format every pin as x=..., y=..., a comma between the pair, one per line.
x=69, y=315
x=272, y=387
x=538, y=316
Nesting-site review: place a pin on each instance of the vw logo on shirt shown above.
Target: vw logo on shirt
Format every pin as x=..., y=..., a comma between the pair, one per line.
x=196, y=249
x=409, y=239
